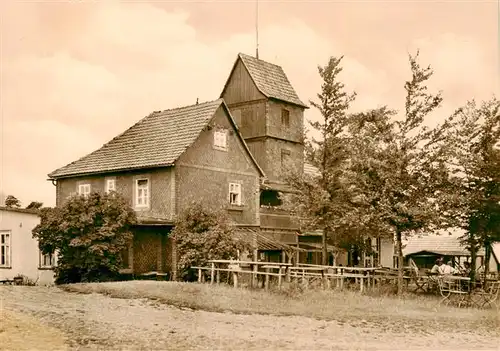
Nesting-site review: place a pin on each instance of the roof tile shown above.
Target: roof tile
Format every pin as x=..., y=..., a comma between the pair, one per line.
x=271, y=80
x=156, y=140
x=311, y=170
x=446, y=245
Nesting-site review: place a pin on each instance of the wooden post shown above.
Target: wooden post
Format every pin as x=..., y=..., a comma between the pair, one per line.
x=279, y=278
x=342, y=282
x=266, y=285
x=212, y=273
x=159, y=254
x=288, y=277
x=254, y=275
x=174, y=259
x=361, y=286
x=218, y=277
x=199, y=275
x=235, y=279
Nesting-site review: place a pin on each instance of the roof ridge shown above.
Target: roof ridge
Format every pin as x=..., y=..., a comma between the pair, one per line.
x=20, y=210
x=258, y=59
x=187, y=106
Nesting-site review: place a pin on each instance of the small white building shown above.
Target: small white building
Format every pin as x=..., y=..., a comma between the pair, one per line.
x=19, y=252
x=425, y=249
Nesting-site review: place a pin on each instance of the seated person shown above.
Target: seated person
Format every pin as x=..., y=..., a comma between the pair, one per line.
x=447, y=269
x=435, y=268
x=466, y=269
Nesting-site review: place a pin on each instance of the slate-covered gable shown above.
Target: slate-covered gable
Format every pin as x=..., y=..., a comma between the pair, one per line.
x=270, y=80
x=155, y=141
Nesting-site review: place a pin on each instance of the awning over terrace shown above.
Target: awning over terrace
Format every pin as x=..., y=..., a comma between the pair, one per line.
x=264, y=243
x=315, y=247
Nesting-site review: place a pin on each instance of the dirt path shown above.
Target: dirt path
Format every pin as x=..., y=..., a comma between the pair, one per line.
x=20, y=332
x=99, y=322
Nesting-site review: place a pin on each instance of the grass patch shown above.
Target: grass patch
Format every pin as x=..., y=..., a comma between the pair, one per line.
x=19, y=332
x=405, y=313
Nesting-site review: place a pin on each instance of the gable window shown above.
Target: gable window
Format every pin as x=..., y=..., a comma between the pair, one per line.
x=142, y=193
x=285, y=117
x=5, y=249
x=47, y=260
x=84, y=189
x=220, y=139
x=110, y=185
x=234, y=194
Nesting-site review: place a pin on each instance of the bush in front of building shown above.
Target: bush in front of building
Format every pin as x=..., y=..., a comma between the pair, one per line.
x=88, y=233
x=202, y=234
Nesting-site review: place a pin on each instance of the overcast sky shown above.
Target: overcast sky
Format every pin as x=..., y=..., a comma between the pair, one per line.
x=74, y=74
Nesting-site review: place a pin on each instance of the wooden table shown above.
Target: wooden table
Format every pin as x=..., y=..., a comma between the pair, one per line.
x=453, y=289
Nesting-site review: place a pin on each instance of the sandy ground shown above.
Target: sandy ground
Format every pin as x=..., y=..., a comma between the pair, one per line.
x=21, y=332
x=99, y=322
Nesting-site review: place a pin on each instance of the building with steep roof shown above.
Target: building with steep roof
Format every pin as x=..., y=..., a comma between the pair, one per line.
x=159, y=164
x=238, y=146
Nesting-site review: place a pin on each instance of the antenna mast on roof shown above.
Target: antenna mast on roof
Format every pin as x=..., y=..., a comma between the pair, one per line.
x=257, y=29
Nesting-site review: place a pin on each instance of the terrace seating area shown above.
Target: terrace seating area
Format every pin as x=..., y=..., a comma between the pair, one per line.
x=452, y=289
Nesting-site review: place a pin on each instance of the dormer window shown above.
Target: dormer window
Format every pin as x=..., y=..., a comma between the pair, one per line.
x=285, y=118
x=220, y=139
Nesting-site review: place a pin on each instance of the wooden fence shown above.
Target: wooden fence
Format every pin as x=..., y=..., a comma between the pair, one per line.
x=307, y=274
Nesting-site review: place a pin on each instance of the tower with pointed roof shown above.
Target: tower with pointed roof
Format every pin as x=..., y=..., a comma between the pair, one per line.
x=269, y=115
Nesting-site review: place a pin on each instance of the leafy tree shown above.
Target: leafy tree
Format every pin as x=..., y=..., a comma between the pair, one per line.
x=201, y=235
x=12, y=201
x=475, y=176
x=34, y=205
x=398, y=166
x=321, y=201
x=88, y=234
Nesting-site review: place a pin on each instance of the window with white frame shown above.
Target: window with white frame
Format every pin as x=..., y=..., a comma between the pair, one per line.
x=84, y=189
x=234, y=194
x=47, y=260
x=220, y=139
x=142, y=193
x=110, y=185
x=5, y=249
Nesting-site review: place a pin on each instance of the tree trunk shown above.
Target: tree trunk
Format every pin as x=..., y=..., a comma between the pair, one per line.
x=324, y=256
x=473, y=256
x=487, y=255
x=399, y=250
